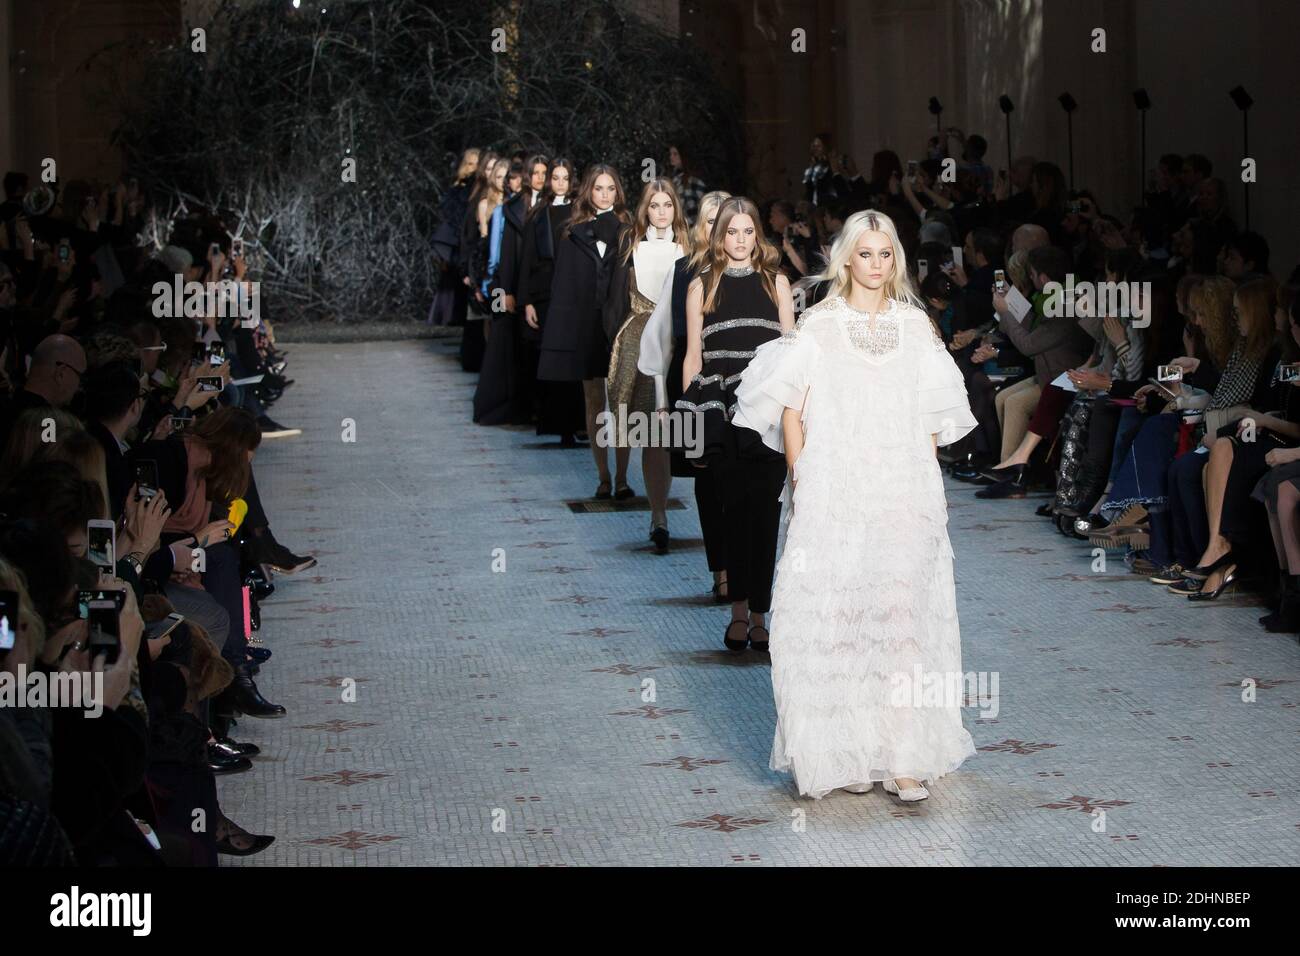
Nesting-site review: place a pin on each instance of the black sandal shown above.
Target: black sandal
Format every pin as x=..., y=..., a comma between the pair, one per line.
x=603, y=491
x=623, y=492
x=718, y=596
x=760, y=646
x=736, y=646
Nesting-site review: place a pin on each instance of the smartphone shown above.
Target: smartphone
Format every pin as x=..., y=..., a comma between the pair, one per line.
x=999, y=281
x=214, y=250
x=65, y=250
x=180, y=423
x=116, y=595
x=912, y=166
x=104, y=635
x=217, y=353
x=957, y=255
x=1169, y=373
x=1163, y=391
x=210, y=383
x=922, y=269
x=101, y=544
x=237, y=248
x=162, y=628
x=146, y=480
x=8, y=619
x=1288, y=373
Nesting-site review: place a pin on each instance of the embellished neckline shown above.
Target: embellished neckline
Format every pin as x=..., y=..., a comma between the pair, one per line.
x=887, y=311
x=738, y=272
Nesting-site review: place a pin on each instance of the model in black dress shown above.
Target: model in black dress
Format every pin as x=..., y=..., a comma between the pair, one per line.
x=575, y=347
x=739, y=302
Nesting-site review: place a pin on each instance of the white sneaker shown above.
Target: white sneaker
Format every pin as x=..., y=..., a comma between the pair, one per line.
x=907, y=795
x=859, y=787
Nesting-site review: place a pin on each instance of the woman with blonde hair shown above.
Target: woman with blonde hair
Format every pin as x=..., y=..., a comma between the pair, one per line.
x=858, y=397
x=662, y=352
x=738, y=302
x=651, y=246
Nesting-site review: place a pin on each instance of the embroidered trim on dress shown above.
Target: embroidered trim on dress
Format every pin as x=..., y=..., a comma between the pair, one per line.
x=728, y=353
x=737, y=323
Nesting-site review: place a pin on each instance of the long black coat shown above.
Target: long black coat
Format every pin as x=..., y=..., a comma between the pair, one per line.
x=512, y=243
x=574, y=344
x=537, y=258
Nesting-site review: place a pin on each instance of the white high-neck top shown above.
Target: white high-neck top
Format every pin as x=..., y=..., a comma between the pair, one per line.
x=653, y=260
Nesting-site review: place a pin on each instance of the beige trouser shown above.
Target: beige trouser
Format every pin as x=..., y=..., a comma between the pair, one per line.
x=1015, y=407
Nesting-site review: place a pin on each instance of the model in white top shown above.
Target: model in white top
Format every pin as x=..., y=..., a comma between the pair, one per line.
x=864, y=616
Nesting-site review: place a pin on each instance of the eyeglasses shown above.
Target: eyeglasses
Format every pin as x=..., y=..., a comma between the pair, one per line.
x=154, y=348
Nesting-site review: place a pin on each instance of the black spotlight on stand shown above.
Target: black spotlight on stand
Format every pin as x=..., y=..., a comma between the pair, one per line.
x=1143, y=103
x=1243, y=101
x=1006, y=106
x=936, y=110
x=1069, y=105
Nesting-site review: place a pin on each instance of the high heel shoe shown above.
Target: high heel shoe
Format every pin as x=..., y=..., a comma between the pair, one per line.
x=907, y=794
x=736, y=646
x=1201, y=572
x=1229, y=580
x=760, y=646
x=720, y=592
x=659, y=536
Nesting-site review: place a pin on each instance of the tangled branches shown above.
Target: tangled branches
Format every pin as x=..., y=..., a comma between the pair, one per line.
x=258, y=128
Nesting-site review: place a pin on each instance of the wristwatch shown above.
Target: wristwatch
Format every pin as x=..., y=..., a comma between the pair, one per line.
x=135, y=563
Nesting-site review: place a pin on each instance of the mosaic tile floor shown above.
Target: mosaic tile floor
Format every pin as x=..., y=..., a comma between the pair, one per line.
x=442, y=711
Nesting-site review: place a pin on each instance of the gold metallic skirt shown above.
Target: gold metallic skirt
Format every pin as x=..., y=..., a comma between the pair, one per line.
x=628, y=389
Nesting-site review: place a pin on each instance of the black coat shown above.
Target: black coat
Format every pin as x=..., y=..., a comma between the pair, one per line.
x=574, y=344
x=512, y=243
x=541, y=237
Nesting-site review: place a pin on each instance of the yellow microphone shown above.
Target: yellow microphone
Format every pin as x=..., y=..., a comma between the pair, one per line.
x=238, y=509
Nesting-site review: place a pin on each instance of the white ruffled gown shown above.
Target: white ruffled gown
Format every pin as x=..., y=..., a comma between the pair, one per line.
x=864, y=617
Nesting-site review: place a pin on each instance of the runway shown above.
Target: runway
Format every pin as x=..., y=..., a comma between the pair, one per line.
x=576, y=707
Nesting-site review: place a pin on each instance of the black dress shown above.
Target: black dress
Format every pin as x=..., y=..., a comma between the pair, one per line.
x=743, y=319
x=575, y=347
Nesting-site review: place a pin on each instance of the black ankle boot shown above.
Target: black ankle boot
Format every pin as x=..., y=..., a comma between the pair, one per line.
x=1287, y=618
x=247, y=699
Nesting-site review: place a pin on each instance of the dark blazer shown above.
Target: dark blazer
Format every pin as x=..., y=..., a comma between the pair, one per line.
x=118, y=472
x=541, y=236
x=574, y=344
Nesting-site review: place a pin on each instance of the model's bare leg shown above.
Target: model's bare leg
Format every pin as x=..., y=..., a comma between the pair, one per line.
x=1288, y=499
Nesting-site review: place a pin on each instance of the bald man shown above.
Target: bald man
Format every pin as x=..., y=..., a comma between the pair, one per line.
x=1027, y=237
x=58, y=363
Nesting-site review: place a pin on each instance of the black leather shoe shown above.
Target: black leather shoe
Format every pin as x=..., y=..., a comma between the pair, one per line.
x=1012, y=473
x=257, y=582
x=220, y=762
x=248, y=700
x=259, y=654
x=238, y=749
x=1002, y=489
x=968, y=474
x=660, y=537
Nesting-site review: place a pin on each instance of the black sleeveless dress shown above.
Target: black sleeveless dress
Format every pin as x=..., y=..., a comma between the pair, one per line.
x=744, y=318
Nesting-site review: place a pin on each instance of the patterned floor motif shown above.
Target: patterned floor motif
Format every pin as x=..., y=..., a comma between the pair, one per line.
x=476, y=674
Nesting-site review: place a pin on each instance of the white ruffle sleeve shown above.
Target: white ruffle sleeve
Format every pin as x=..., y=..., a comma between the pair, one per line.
x=656, y=354
x=777, y=378
x=944, y=405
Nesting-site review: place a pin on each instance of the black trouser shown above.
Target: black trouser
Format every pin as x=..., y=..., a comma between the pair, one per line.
x=751, y=514
x=988, y=437
x=708, y=498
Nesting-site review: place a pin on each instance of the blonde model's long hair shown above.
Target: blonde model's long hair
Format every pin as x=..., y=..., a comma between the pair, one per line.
x=641, y=221
x=700, y=232
x=764, y=257
x=899, y=285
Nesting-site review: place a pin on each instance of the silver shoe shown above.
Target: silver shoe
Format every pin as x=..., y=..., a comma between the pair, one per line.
x=908, y=795
x=859, y=787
